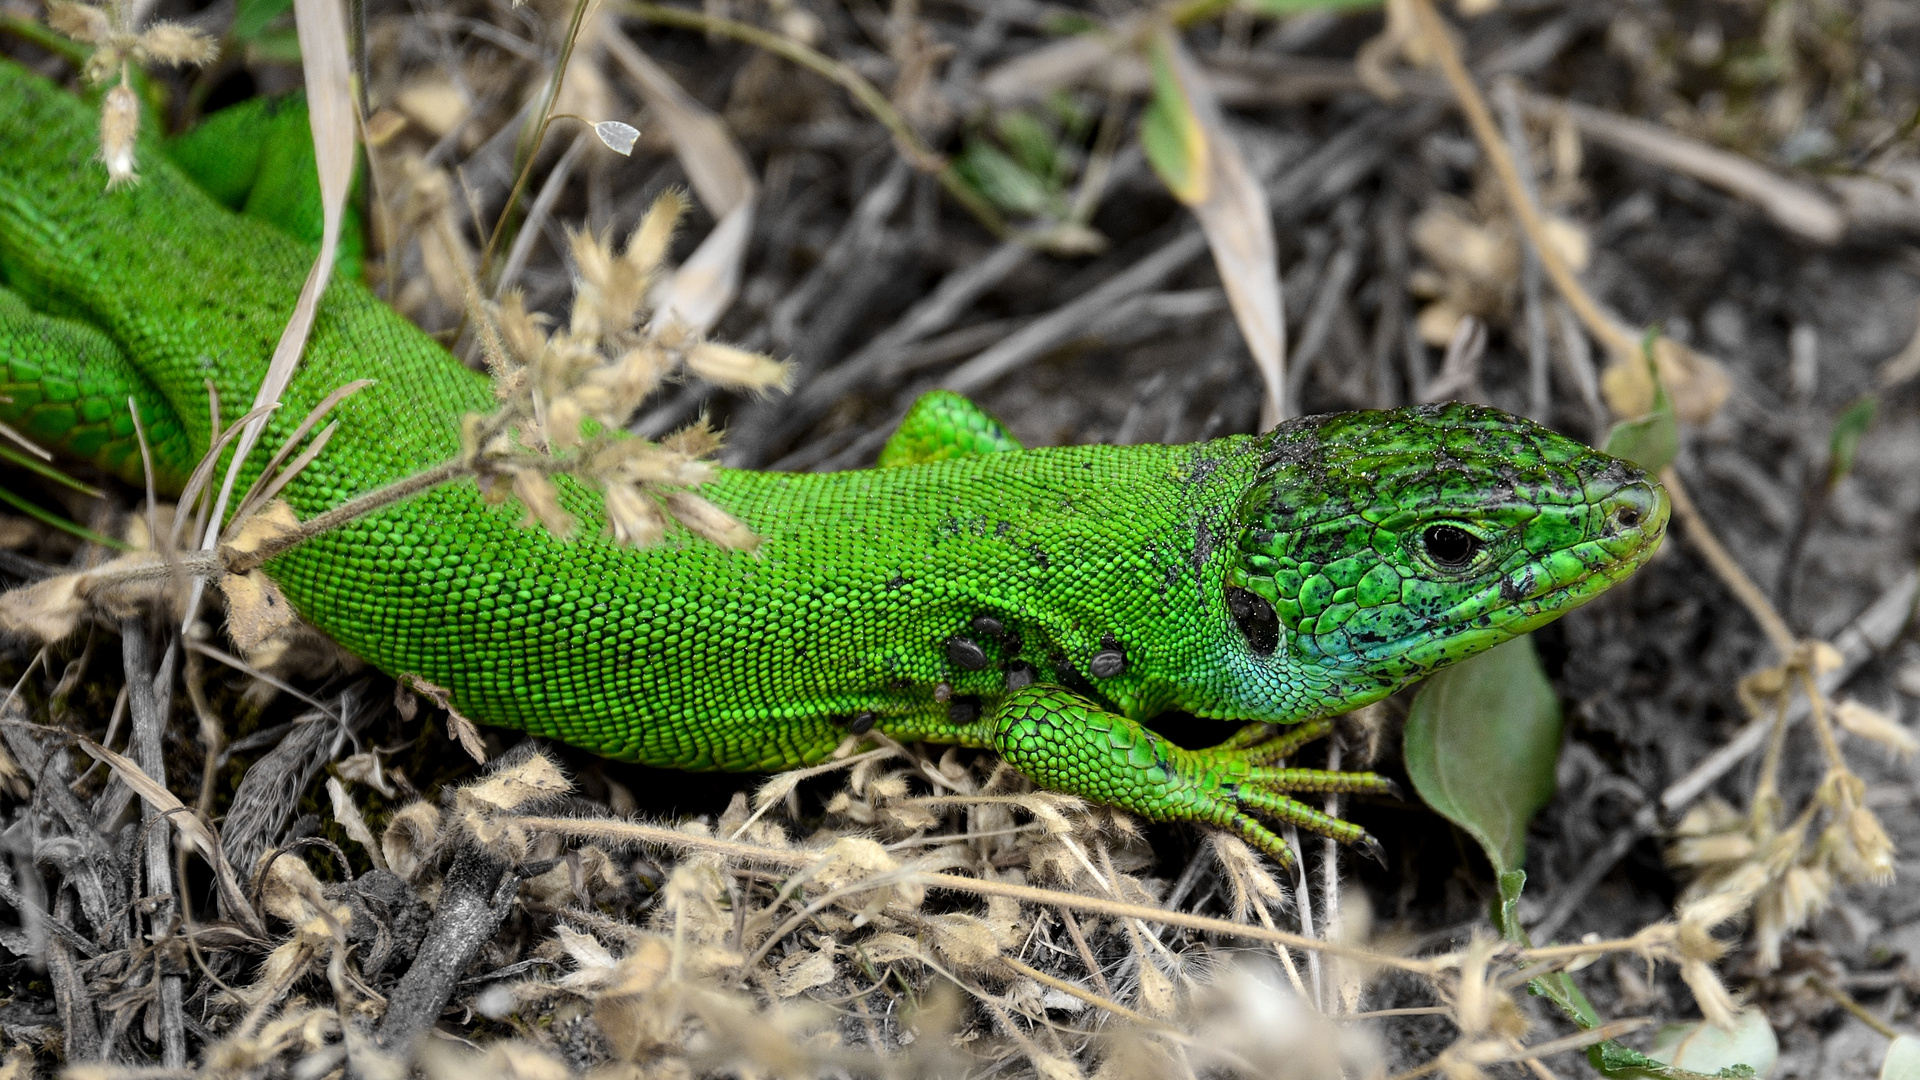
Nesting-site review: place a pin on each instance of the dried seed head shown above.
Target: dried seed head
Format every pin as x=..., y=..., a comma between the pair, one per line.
x=640, y=370
x=171, y=43
x=647, y=247
x=1864, y=851
x=81, y=22
x=635, y=519
x=966, y=940
x=1713, y=850
x=710, y=521
x=542, y=502
x=1473, y=1003
x=119, y=127
x=516, y=788
x=696, y=440
x=731, y=367
x=1709, y=993
x=564, y=417
x=47, y=611
x=1729, y=898
x=610, y=291
x=1248, y=881
x=525, y=333
x=1872, y=724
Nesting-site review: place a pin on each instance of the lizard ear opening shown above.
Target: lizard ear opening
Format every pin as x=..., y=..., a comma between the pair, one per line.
x=1256, y=619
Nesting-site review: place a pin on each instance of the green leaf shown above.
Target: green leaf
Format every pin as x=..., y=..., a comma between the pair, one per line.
x=1481, y=744
x=1280, y=9
x=1171, y=135
x=1749, y=1049
x=1031, y=143
x=1845, y=445
x=1651, y=441
x=1903, y=1060
x=275, y=46
x=1069, y=23
x=1001, y=179
x=250, y=17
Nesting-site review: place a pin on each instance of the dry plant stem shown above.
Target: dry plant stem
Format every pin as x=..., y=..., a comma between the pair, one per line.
x=1529, y=1054
x=917, y=152
x=1098, y=1001
x=1086, y=954
x=1836, y=764
x=1330, y=871
x=1766, y=790
x=148, y=724
x=637, y=833
x=1723, y=565
x=1487, y=134
x=358, y=506
x=1845, y=1000
x=1286, y=955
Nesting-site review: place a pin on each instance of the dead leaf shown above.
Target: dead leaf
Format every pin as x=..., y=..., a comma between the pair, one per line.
x=189, y=825
x=1232, y=209
x=257, y=611
x=347, y=813
x=804, y=971
x=459, y=728
x=1698, y=384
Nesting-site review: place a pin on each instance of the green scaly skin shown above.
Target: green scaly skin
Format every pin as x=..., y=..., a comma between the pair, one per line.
x=1039, y=602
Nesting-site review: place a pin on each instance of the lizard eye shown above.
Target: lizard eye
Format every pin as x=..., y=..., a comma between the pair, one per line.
x=1258, y=624
x=1450, y=546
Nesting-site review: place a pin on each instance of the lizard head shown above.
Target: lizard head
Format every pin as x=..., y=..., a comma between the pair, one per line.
x=1376, y=547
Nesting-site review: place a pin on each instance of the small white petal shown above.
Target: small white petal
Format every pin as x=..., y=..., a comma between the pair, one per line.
x=619, y=137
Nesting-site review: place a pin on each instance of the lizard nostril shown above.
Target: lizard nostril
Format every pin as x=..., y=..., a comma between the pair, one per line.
x=1633, y=507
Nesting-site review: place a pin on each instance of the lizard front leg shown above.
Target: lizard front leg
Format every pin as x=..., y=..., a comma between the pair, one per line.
x=1065, y=743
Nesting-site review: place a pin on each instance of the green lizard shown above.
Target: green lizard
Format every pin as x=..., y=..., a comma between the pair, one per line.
x=1043, y=603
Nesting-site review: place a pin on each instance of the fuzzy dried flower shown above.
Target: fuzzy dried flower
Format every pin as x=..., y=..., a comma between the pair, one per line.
x=1868, y=723
x=1709, y=993
x=541, y=499
x=647, y=247
x=84, y=23
x=172, y=43
x=1864, y=852
x=635, y=519
x=524, y=332
x=710, y=521
x=738, y=368
x=119, y=128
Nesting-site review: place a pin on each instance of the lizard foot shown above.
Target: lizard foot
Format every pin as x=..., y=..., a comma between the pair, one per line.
x=1063, y=742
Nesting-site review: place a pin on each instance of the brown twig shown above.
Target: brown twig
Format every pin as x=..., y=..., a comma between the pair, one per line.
x=1726, y=568
x=1487, y=134
x=1845, y=1000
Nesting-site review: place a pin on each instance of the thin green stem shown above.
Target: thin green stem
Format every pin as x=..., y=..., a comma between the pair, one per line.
x=532, y=150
